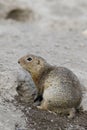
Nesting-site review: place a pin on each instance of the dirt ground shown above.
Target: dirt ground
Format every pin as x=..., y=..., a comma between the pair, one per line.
x=43, y=120
x=55, y=30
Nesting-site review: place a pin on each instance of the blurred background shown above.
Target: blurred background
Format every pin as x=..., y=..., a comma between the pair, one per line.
x=53, y=29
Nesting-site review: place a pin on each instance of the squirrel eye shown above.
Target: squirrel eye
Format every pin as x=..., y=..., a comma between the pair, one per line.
x=29, y=59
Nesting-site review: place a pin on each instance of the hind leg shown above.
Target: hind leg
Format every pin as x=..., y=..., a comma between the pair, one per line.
x=72, y=113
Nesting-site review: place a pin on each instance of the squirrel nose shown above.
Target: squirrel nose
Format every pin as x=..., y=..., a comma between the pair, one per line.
x=18, y=61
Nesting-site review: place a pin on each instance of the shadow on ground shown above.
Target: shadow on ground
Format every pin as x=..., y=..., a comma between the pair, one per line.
x=43, y=120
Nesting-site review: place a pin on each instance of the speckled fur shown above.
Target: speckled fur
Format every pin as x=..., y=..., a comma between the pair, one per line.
x=60, y=87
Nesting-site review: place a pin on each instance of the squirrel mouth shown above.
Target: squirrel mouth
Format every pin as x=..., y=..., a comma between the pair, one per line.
x=29, y=71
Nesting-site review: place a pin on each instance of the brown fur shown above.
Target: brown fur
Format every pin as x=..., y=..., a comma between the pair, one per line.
x=59, y=87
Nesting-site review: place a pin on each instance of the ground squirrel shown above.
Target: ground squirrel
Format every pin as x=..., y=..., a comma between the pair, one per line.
x=59, y=89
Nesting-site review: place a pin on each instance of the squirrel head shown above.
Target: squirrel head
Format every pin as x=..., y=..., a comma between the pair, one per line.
x=33, y=64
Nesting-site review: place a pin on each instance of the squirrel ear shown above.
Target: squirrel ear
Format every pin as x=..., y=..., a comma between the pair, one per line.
x=38, y=62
